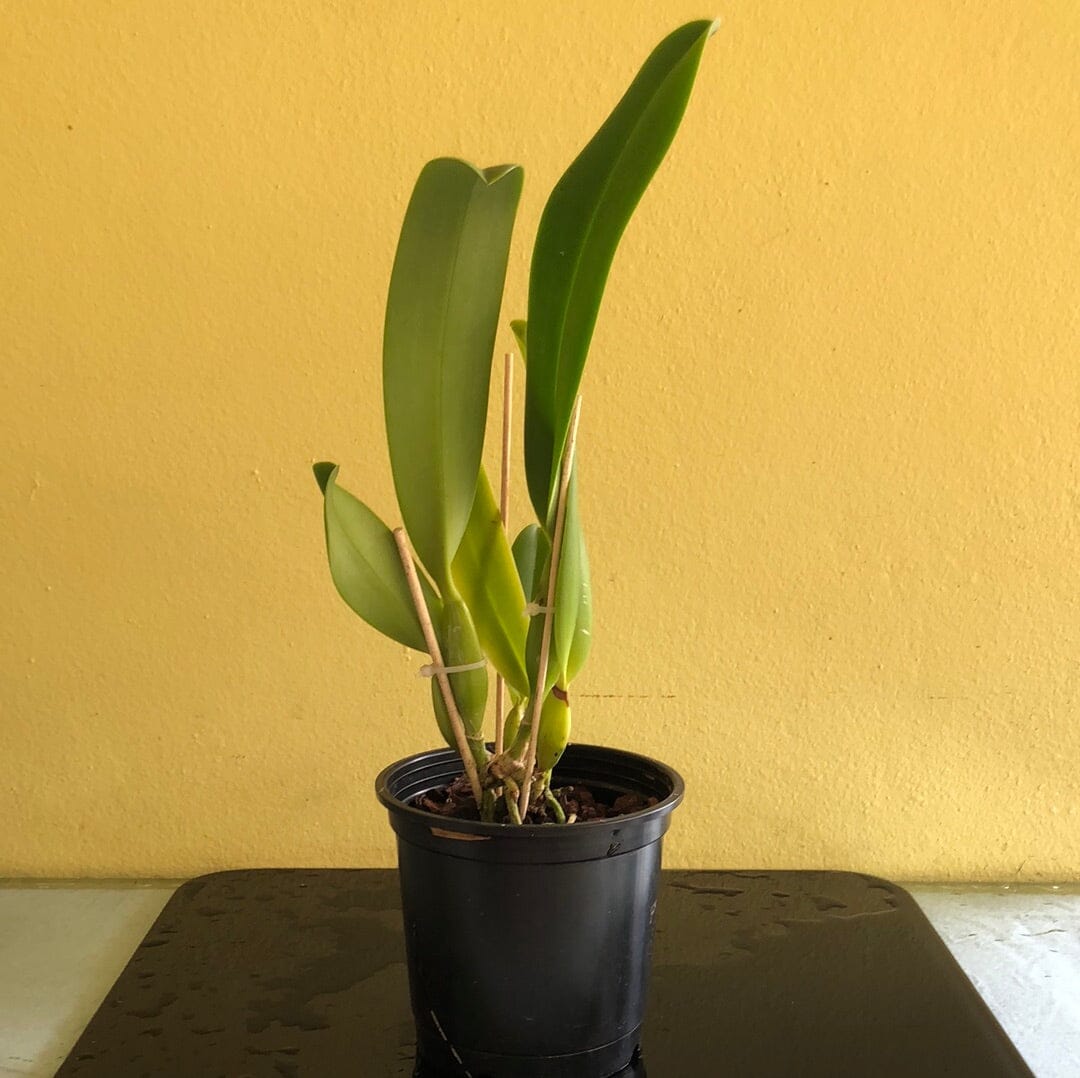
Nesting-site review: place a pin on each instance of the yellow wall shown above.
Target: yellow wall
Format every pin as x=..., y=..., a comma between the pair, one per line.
x=829, y=453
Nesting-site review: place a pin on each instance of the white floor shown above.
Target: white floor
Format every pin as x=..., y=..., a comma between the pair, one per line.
x=62, y=946
x=1021, y=948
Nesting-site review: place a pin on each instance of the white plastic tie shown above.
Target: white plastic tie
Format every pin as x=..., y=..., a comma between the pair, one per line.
x=533, y=609
x=433, y=670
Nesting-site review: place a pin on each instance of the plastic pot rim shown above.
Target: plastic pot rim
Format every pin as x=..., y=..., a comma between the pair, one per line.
x=533, y=832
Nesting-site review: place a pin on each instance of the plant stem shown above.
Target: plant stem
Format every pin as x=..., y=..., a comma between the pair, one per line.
x=511, y=795
x=545, y=640
x=464, y=750
x=500, y=707
x=553, y=804
x=504, y=505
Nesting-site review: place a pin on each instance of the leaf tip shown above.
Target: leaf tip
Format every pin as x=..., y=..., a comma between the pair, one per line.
x=494, y=173
x=324, y=472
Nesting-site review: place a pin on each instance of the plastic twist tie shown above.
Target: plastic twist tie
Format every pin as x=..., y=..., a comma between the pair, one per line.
x=433, y=669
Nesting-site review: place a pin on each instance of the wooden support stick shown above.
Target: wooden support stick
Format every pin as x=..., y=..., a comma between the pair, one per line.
x=504, y=505
x=435, y=652
x=545, y=640
x=508, y=390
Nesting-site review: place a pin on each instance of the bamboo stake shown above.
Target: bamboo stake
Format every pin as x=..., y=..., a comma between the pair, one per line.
x=436, y=657
x=549, y=611
x=504, y=504
x=508, y=389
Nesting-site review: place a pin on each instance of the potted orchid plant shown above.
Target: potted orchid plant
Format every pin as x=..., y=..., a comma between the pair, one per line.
x=510, y=816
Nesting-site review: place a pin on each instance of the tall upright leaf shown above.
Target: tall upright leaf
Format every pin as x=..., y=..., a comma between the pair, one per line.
x=366, y=567
x=441, y=317
x=579, y=231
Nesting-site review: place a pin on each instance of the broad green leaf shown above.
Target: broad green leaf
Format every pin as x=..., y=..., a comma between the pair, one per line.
x=531, y=549
x=365, y=565
x=572, y=631
x=441, y=318
x=487, y=579
x=518, y=326
x=579, y=231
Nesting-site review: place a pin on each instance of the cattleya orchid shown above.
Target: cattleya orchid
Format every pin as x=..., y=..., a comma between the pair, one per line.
x=450, y=582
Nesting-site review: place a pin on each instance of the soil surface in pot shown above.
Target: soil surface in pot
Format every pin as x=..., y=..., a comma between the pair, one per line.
x=456, y=801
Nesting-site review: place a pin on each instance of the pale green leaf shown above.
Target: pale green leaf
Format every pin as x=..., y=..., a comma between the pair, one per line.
x=366, y=567
x=487, y=579
x=572, y=630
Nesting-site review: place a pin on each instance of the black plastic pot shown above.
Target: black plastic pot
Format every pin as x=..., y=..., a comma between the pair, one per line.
x=528, y=947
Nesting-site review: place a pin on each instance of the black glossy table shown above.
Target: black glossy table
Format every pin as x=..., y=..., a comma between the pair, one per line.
x=300, y=974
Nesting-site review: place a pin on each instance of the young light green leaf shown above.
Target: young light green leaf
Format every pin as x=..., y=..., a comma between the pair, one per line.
x=554, y=732
x=441, y=318
x=487, y=579
x=365, y=565
x=579, y=231
x=531, y=550
x=572, y=629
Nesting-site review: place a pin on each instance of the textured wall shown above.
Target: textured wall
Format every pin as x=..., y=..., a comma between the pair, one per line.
x=829, y=450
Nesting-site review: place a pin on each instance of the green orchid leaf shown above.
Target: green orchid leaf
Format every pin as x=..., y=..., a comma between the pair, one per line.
x=532, y=657
x=572, y=630
x=554, y=734
x=532, y=555
x=365, y=565
x=518, y=326
x=579, y=231
x=461, y=647
x=487, y=579
x=531, y=550
x=441, y=319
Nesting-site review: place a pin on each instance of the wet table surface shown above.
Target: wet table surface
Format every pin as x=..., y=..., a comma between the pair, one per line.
x=297, y=973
